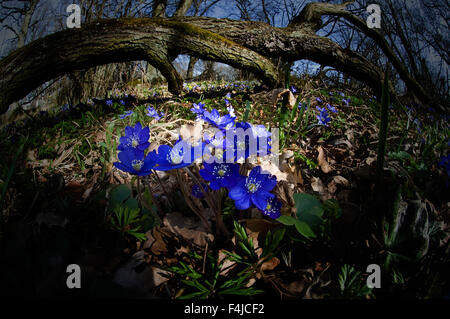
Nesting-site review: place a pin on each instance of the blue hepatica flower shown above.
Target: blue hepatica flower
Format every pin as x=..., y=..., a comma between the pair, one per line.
x=198, y=109
x=253, y=189
x=346, y=101
x=255, y=140
x=122, y=102
x=153, y=113
x=214, y=118
x=126, y=114
x=109, y=102
x=136, y=137
x=318, y=99
x=293, y=89
x=178, y=156
x=230, y=110
x=273, y=208
x=332, y=108
x=300, y=106
x=198, y=191
x=342, y=94
x=220, y=174
x=134, y=162
x=323, y=116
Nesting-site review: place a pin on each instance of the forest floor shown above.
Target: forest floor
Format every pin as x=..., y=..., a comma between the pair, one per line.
x=59, y=187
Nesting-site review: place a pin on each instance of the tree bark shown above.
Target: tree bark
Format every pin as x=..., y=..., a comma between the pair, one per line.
x=242, y=44
x=190, y=70
x=121, y=40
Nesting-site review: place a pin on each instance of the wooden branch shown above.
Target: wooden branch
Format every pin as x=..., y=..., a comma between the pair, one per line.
x=121, y=40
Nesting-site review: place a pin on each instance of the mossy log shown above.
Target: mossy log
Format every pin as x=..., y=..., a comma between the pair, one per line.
x=243, y=44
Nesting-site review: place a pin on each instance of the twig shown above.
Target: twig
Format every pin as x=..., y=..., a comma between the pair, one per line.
x=204, y=258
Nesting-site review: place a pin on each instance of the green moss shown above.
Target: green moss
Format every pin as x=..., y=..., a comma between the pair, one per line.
x=193, y=30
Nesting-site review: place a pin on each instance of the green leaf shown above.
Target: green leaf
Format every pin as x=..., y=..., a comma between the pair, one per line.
x=309, y=210
x=286, y=220
x=131, y=203
x=304, y=229
x=247, y=110
x=119, y=194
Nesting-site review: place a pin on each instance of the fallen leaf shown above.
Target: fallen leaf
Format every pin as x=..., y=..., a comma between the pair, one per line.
x=324, y=166
x=337, y=180
x=155, y=242
x=227, y=265
x=296, y=287
x=273, y=169
x=136, y=274
x=317, y=185
x=270, y=264
x=190, y=229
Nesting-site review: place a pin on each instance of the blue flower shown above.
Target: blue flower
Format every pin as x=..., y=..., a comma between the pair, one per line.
x=247, y=140
x=253, y=189
x=136, y=137
x=323, y=116
x=122, y=102
x=199, y=109
x=198, y=191
x=293, y=89
x=332, y=108
x=273, y=208
x=178, y=156
x=126, y=114
x=153, y=113
x=220, y=174
x=109, y=102
x=230, y=110
x=319, y=100
x=300, y=106
x=133, y=161
x=342, y=94
x=346, y=101
x=221, y=122
x=228, y=96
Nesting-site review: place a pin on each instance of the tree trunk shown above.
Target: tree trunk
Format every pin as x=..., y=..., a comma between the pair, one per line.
x=190, y=70
x=242, y=44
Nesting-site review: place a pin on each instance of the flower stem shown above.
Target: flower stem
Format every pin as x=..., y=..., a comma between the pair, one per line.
x=220, y=226
x=189, y=202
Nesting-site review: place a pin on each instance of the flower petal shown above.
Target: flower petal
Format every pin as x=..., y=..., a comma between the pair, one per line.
x=243, y=203
x=260, y=199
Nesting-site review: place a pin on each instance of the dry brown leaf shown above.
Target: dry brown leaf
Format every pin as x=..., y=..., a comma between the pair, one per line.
x=190, y=229
x=337, y=180
x=227, y=265
x=273, y=169
x=270, y=264
x=257, y=228
x=324, y=166
x=317, y=185
x=192, y=133
x=296, y=287
x=155, y=242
